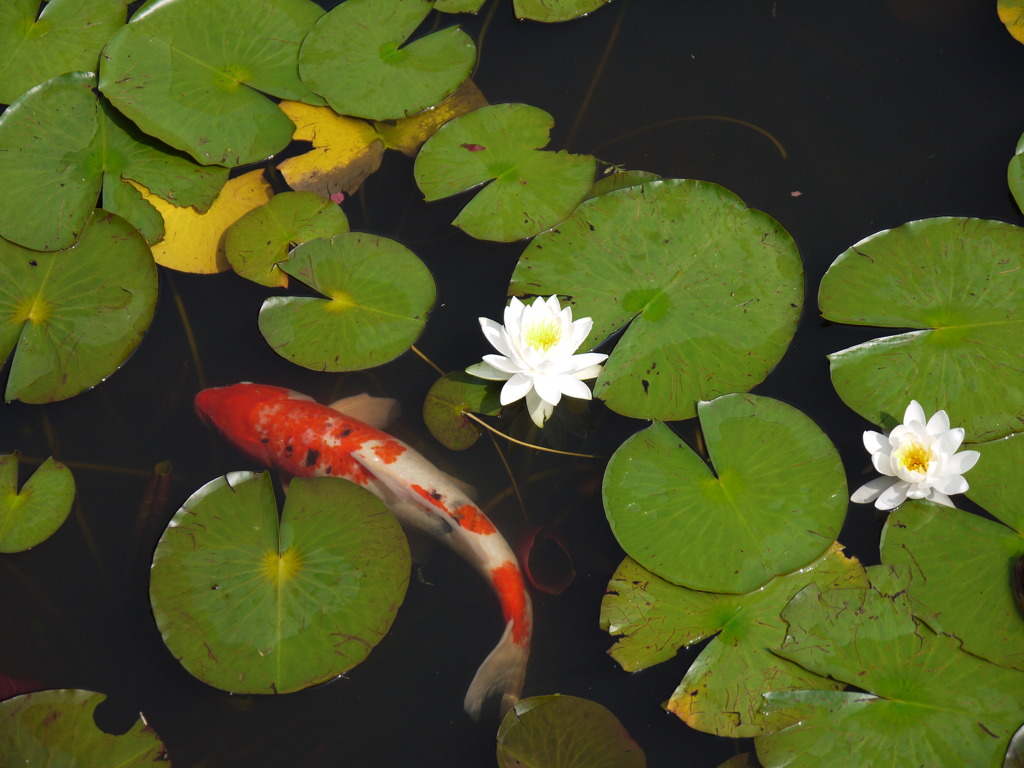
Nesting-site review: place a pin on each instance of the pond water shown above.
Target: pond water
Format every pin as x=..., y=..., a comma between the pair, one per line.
x=838, y=119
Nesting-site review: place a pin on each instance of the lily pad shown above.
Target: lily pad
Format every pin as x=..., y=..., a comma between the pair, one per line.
x=458, y=6
x=408, y=134
x=1011, y=13
x=923, y=698
x=530, y=190
x=74, y=315
x=706, y=292
x=203, y=92
x=565, y=732
x=258, y=241
x=30, y=516
x=377, y=294
x=722, y=690
x=771, y=498
x=554, y=10
x=58, y=728
x=66, y=36
x=357, y=58
x=958, y=282
x=62, y=146
x=253, y=604
x=449, y=398
x=1015, y=171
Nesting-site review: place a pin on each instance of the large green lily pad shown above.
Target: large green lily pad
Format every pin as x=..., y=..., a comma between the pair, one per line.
x=554, y=10
x=357, y=59
x=565, y=732
x=30, y=516
x=193, y=74
x=62, y=147
x=530, y=189
x=251, y=603
x=66, y=36
x=706, y=291
x=72, y=317
x=924, y=701
x=771, y=498
x=722, y=690
x=57, y=729
x=959, y=283
x=378, y=294
x=449, y=398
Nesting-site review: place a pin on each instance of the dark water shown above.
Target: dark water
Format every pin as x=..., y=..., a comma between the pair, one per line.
x=885, y=112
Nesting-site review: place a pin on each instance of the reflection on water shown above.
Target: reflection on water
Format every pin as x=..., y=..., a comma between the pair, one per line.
x=885, y=114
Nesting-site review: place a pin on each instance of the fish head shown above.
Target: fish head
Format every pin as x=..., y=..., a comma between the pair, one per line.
x=235, y=411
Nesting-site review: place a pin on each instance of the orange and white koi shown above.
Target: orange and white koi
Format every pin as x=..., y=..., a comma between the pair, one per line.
x=279, y=428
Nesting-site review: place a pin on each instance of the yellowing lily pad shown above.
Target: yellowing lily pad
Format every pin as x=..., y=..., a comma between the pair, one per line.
x=30, y=516
x=66, y=36
x=194, y=73
x=345, y=151
x=194, y=241
x=72, y=317
x=770, y=499
x=958, y=283
x=530, y=190
x=257, y=242
x=1011, y=13
x=449, y=398
x=408, y=134
x=58, y=728
x=377, y=294
x=357, y=58
x=251, y=603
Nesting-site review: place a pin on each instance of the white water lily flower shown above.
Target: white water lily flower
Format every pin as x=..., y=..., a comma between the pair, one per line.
x=538, y=361
x=918, y=460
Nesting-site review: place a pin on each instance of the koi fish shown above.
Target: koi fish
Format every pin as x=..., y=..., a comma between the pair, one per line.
x=279, y=428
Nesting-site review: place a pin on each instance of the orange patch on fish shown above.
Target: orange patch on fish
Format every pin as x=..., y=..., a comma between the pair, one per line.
x=432, y=497
x=508, y=583
x=473, y=520
x=389, y=452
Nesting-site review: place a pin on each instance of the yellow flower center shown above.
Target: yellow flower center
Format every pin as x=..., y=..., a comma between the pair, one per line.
x=914, y=457
x=543, y=335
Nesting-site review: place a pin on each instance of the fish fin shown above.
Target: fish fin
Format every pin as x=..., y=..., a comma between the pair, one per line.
x=504, y=671
x=378, y=412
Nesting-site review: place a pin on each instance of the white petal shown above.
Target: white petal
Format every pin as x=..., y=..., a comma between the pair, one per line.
x=961, y=462
x=516, y=388
x=941, y=498
x=870, y=490
x=876, y=441
x=579, y=331
x=938, y=423
x=485, y=371
x=539, y=410
x=892, y=496
x=588, y=373
x=503, y=364
x=950, y=484
x=547, y=389
x=573, y=387
x=514, y=316
x=588, y=360
x=950, y=440
x=495, y=335
x=913, y=413
x=882, y=461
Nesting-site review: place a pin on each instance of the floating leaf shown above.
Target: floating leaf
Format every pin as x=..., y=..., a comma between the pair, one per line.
x=408, y=134
x=258, y=241
x=530, y=190
x=554, y=10
x=565, y=732
x=30, y=516
x=355, y=58
x=958, y=282
x=708, y=292
x=1011, y=13
x=620, y=180
x=251, y=604
x=74, y=315
x=458, y=6
x=203, y=93
x=771, y=499
x=66, y=36
x=378, y=296
x=449, y=398
x=1015, y=171
x=194, y=241
x=58, y=728
x=345, y=151
x=923, y=699
x=61, y=146
x=722, y=690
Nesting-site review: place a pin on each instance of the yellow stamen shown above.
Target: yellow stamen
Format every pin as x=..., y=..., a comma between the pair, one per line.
x=543, y=335
x=914, y=457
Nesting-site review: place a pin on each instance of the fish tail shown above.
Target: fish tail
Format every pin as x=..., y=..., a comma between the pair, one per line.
x=504, y=671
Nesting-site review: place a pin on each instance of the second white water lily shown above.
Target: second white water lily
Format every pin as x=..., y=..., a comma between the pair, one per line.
x=538, y=360
x=918, y=460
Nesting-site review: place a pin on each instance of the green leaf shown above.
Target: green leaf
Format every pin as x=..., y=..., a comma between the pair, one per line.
x=203, y=92
x=66, y=36
x=996, y=481
x=251, y=604
x=722, y=690
x=771, y=500
x=565, y=732
x=61, y=145
x=378, y=296
x=57, y=728
x=30, y=516
x=74, y=315
x=961, y=565
x=1015, y=171
x=261, y=239
x=530, y=190
x=356, y=58
x=926, y=701
x=448, y=398
x=958, y=283
x=706, y=292
x=458, y=6
x=554, y=10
